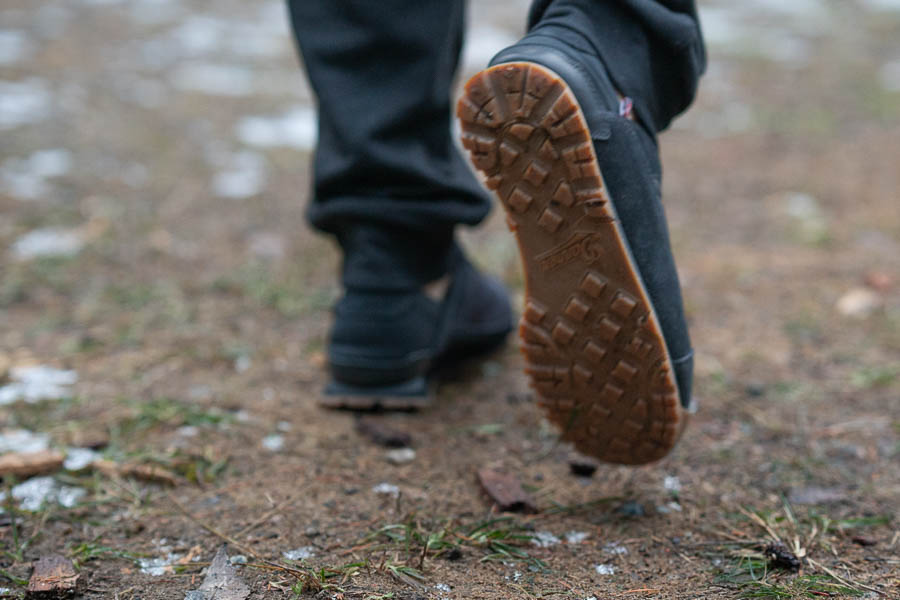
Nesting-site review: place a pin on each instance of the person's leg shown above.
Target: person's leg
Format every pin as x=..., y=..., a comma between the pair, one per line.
x=388, y=180
x=604, y=331
x=653, y=49
x=391, y=185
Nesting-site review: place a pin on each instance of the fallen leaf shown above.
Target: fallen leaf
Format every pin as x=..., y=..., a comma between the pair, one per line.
x=54, y=576
x=879, y=281
x=506, y=491
x=149, y=473
x=863, y=541
x=28, y=464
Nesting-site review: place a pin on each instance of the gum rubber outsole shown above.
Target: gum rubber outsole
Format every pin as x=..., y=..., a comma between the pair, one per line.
x=593, y=346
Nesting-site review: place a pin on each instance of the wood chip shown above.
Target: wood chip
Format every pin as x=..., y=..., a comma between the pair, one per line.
x=148, y=473
x=54, y=576
x=221, y=582
x=383, y=434
x=28, y=464
x=813, y=495
x=506, y=491
x=863, y=541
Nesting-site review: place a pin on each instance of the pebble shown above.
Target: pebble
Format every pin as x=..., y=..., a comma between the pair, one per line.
x=400, y=456
x=273, y=442
x=858, y=303
x=632, y=508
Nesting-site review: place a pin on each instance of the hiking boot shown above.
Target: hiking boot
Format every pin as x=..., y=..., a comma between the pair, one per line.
x=385, y=343
x=603, y=330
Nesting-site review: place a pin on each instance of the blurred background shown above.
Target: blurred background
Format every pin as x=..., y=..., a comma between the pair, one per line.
x=163, y=301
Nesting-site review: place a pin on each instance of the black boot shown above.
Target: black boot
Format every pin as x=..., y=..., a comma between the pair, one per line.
x=391, y=329
x=604, y=330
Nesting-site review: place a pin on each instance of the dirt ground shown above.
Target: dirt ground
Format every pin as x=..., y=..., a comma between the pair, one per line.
x=153, y=171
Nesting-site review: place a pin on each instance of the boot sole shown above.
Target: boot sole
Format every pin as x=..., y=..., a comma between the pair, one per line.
x=415, y=394
x=594, y=350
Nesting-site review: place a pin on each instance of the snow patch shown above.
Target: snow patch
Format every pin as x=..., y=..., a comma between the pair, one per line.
x=301, y=553
x=23, y=102
x=295, y=128
x=22, y=440
x=33, y=384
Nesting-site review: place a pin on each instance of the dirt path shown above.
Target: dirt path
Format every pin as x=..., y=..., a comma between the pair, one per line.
x=153, y=166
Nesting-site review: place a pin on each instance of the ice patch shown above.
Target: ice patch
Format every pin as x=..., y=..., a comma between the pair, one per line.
x=26, y=178
x=200, y=34
x=38, y=491
x=301, y=553
x=672, y=484
x=158, y=566
x=576, y=537
x=154, y=12
x=482, y=43
x=296, y=128
x=665, y=509
x=23, y=102
x=33, y=384
x=883, y=5
x=889, y=76
x=606, y=569
x=14, y=46
x=273, y=442
x=188, y=431
x=719, y=25
x=204, y=35
x=215, y=79
x=387, y=489
x=50, y=241
x=544, y=539
x=615, y=548
x=22, y=440
x=245, y=176
x=79, y=458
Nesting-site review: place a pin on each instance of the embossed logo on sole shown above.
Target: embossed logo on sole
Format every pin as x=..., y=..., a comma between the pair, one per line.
x=582, y=244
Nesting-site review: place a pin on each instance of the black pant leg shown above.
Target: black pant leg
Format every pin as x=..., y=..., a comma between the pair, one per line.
x=653, y=49
x=382, y=72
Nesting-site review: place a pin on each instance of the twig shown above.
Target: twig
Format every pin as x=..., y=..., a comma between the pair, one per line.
x=228, y=539
x=847, y=582
x=759, y=521
x=262, y=519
